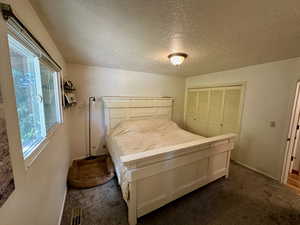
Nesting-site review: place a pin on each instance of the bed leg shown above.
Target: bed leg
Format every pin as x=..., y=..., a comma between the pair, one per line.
x=132, y=220
x=132, y=207
x=227, y=175
x=228, y=164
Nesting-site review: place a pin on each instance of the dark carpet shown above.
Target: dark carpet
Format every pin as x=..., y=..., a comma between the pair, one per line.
x=245, y=198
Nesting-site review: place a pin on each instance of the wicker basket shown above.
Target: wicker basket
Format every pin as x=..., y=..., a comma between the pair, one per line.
x=90, y=172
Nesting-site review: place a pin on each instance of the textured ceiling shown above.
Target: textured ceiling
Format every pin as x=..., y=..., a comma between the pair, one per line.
x=139, y=34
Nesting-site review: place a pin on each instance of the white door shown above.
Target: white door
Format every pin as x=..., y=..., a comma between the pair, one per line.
x=293, y=137
x=191, y=110
x=231, y=115
x=294, y=160
x=215, y=113
x=201, y=123
x=231, y=110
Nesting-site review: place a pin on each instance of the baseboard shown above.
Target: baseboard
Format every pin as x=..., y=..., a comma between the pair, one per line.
x=83, y=157
x=255, y=170
x=77, y=158
x=62, y=207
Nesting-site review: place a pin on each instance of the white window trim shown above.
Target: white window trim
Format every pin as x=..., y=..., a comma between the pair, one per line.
x=42, y=144
x=5, y=29
x=39, y=147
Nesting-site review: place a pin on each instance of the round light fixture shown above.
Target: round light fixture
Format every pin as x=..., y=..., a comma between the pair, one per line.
x=177, y=58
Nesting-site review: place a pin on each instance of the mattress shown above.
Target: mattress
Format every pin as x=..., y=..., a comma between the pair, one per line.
x=134, y=136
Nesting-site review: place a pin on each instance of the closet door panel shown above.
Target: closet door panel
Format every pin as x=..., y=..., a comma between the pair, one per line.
x=215, y=115
x=191, y=111
x=201, y=129
x=192, y=103
x=231, y=112
x=191, y=124
x=203, y=104
x=231, y=115
x=202, y=111
x=214, y=111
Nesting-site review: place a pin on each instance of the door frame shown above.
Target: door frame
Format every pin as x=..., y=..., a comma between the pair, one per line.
x=293, y=135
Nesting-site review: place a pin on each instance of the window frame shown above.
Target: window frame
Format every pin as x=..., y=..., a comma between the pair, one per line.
x=40, y=145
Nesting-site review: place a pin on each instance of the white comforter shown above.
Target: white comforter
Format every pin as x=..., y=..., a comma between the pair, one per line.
x=143, y=135
x=133, y=136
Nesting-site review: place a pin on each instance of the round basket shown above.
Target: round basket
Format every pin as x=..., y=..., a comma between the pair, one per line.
x=90, y=172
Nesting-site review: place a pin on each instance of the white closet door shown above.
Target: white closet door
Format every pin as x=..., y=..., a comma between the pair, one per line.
x=191, y=110
x=215, y=116
x=231, y=115
x=231, y=111
x=192, y=102
x=202, y=111
x=214, y=111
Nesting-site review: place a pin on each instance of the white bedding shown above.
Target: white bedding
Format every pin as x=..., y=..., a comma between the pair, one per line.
x=135, y=136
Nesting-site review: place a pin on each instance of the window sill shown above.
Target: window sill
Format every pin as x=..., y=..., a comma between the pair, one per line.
x=40, y=147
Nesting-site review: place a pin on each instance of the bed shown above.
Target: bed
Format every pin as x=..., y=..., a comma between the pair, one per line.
x=155, y=160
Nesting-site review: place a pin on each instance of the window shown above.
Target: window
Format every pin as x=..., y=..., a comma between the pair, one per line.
x=36, y=87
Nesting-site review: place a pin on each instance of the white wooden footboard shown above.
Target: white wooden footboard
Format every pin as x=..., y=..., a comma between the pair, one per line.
x=160, y=176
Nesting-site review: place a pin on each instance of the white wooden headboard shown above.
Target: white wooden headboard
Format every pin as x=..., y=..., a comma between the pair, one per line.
x=117, y=109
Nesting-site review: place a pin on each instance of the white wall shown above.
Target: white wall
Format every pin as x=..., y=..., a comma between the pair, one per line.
x=97, y=81
x=269, y=95
x=40, y=190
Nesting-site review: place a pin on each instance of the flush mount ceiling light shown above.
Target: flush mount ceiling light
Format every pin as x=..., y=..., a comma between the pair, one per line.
x=177, y=58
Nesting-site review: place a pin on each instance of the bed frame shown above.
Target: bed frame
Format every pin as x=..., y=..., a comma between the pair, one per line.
x=157, y=177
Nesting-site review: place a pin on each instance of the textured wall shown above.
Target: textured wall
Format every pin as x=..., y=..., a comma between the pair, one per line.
x=269, y=96
x=97, y=81
x=40, y=189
